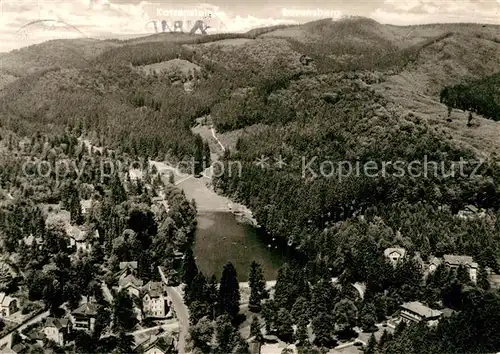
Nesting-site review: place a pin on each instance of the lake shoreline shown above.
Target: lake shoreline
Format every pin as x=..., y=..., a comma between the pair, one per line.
x=221, y=238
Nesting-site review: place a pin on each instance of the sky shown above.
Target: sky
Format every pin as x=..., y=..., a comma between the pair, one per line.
x=126, y=18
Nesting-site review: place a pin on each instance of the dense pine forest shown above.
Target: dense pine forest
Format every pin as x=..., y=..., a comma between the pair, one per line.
x=480, y=96
x=41, y=210
x=314, y=96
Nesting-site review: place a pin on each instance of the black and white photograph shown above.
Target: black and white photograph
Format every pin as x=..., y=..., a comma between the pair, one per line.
x=250, y=177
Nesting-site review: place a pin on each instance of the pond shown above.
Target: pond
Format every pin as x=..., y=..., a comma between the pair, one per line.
x=221, y=238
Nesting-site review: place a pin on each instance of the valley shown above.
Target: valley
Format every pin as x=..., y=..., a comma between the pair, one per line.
x=424, y=250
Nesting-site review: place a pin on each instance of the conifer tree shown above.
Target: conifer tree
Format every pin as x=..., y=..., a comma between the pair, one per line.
x=301, y=335
x=257, y=285
x=226, y=335
x=482, y=279
x=300, y=311
x=206, y=154
x=255, y=328
x=323, y=326
x=284, y=325
x=371, y=345
x=75, y=209
x=198, y=155
x=383, y=340
x=117, y=191
x=124, y=319
x=196, y=289
x=189, y=268
x=229, y=292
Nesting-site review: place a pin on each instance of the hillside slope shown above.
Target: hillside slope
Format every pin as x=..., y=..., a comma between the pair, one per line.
x=352, y=90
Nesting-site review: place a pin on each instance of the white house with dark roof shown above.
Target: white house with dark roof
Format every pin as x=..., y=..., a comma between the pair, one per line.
x=454, y=261
x=395, y=254
x=78, y=237
x=8, y=305
x=155, y=303
x=415, y=312
x=56, y=329
x=83, y=318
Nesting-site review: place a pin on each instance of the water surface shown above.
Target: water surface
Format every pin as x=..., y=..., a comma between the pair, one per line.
x=220, y=238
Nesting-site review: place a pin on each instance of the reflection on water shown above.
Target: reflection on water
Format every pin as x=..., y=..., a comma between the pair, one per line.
x=220, y=238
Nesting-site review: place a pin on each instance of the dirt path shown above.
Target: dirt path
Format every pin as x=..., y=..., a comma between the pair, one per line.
x=215, y=137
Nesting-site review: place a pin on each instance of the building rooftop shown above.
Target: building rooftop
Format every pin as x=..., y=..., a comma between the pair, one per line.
x=86, y=203
x=5, y=299
x=76, y=233
x=459, y=260
x=154, y=288
x=434, y=260
x=87, y=309
x=420, y=309
x=389, y=251
x=131, y=265
x=56, y=322
x=19, y=348
x=160, y=340
x=130, y=279
x=472, y=208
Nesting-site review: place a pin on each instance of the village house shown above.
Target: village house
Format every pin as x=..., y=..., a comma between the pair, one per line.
x=8, y=305
x=471, y=212
x=160, y=343
x=155, y=303
x=127, y=279
x=454, y=262
x=178, y=257
x=78, y=238
x=19, y=348
x=130, y=284
x=30, y=240
x=127, y=268
x=433, y=264
x=37, y=337
x=86, y=206
x=56, y=329
x=395, y=254
x=415, y=312
x=83, y=318
x=157, y=199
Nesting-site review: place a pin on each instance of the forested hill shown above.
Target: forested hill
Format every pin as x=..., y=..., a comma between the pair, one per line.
x=352, y=90
x=480, y=96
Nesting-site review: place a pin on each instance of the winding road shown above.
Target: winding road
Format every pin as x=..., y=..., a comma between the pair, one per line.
x=181, y=312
